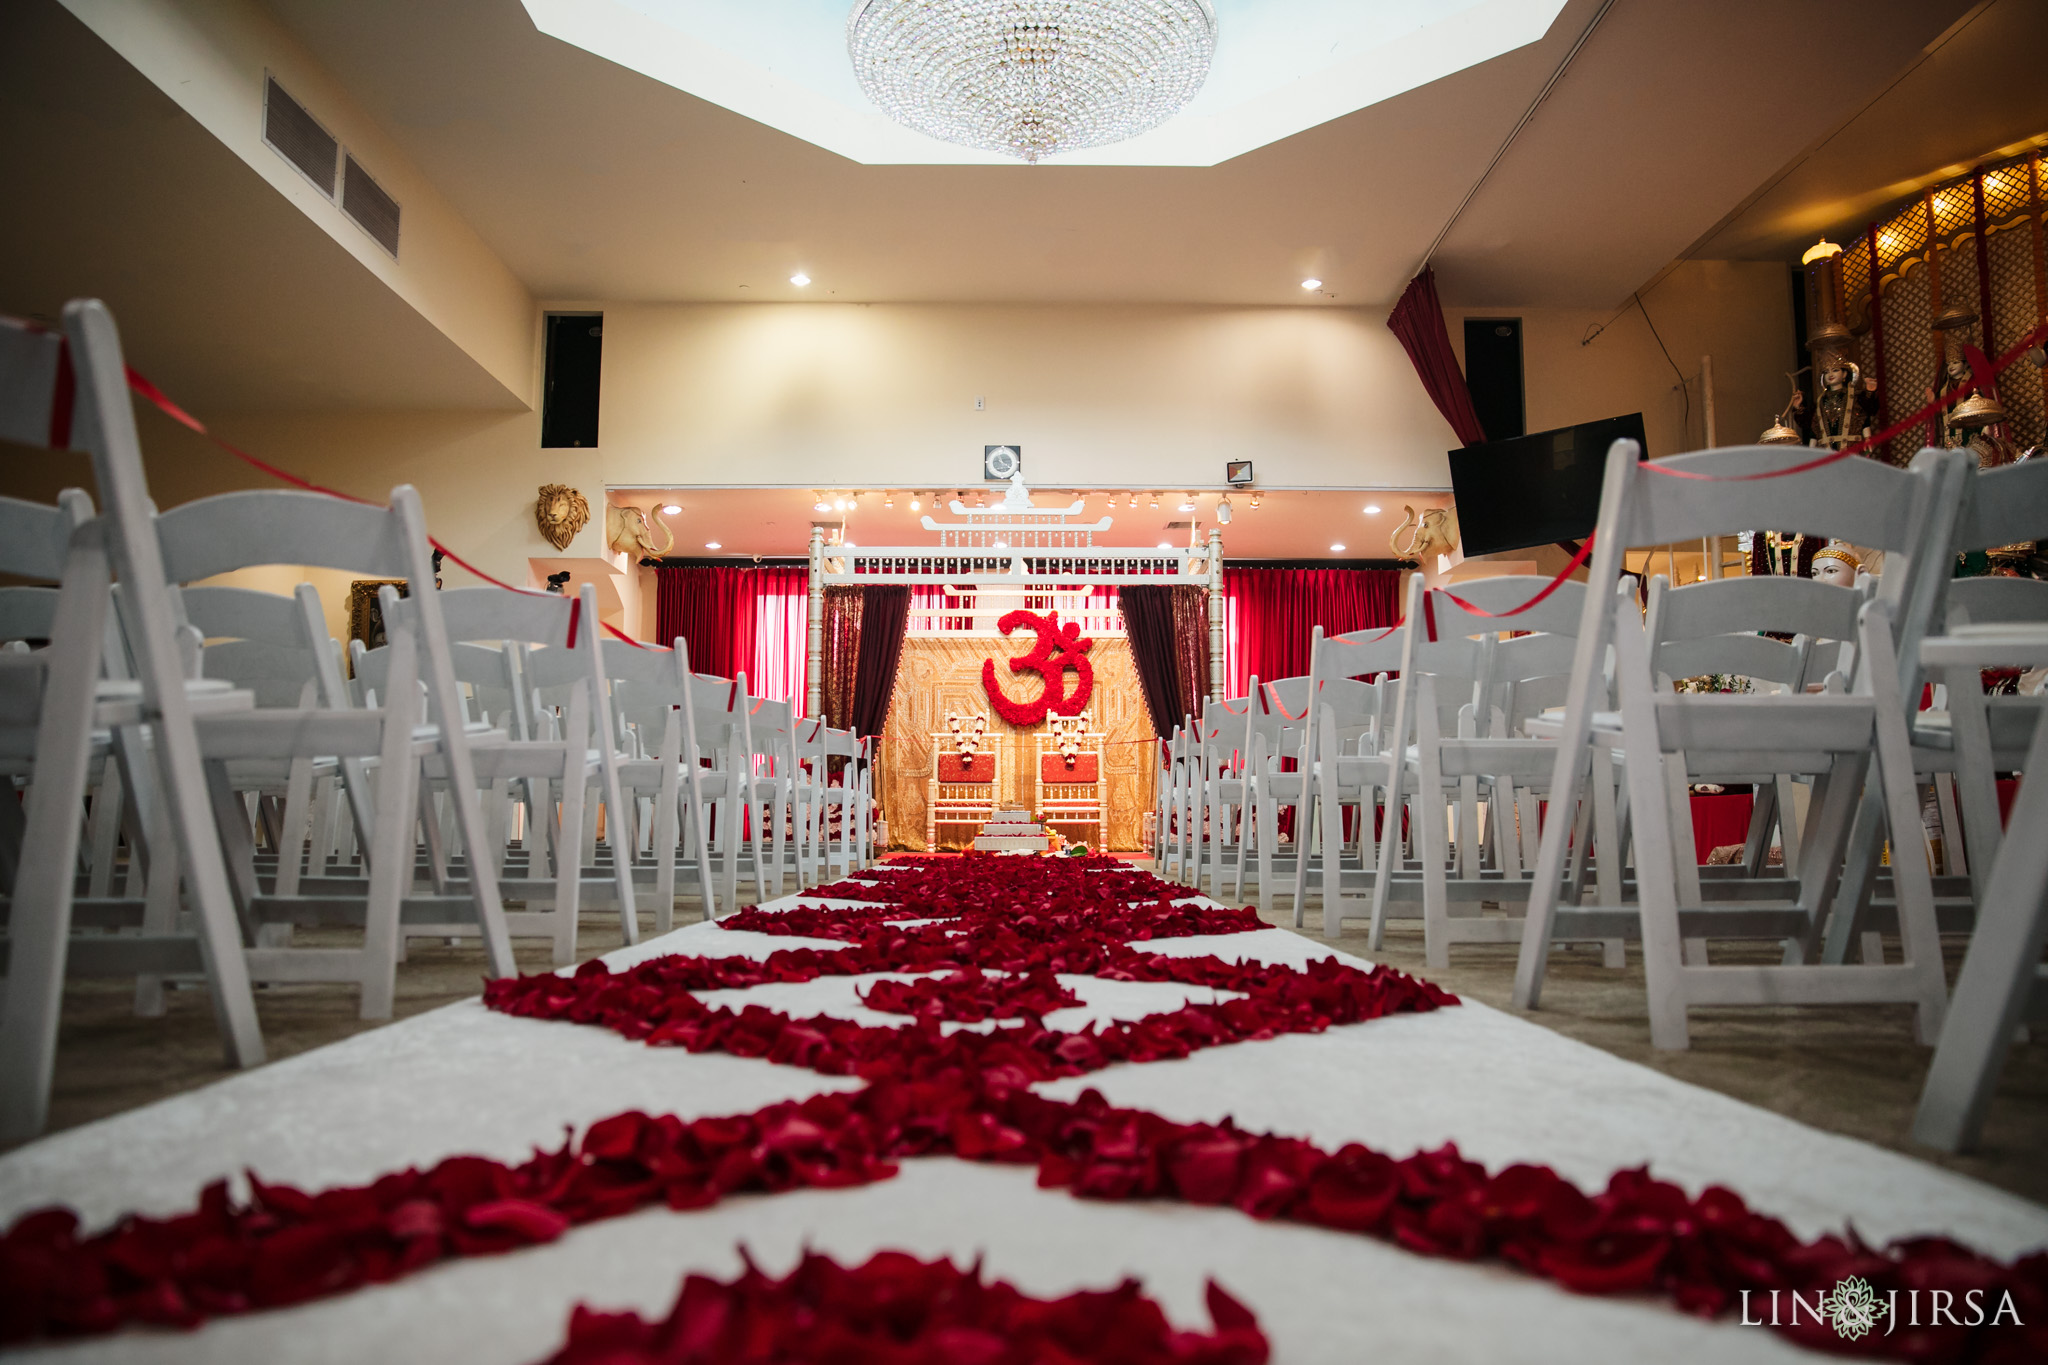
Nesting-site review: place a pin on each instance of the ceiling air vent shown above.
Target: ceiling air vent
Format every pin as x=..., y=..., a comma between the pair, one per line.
x=298, y=137
x=364, y=200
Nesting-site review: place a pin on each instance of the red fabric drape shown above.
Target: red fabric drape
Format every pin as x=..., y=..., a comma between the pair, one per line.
x=1269, y=615
x=738, y=620
x=1418, y=320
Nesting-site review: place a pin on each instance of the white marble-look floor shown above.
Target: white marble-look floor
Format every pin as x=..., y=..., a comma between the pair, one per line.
x=462, y=1079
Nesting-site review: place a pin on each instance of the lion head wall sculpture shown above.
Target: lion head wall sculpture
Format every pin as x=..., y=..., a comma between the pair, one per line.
x=560, y=512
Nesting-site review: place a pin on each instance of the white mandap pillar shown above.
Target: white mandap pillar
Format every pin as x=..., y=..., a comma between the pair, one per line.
x=1216, y=614
x=814, y=660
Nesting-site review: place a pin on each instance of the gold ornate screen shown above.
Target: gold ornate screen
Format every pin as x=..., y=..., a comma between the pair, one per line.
x=940, y=675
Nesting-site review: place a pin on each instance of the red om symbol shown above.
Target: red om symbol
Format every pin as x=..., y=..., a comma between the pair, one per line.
x=1059, y=648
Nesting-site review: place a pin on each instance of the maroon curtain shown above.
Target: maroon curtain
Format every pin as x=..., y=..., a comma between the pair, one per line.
x=1148, y=624
x=884, y=615
x=1271, y=613
x=714, y=610
x=842, y=653
x=1418, y=320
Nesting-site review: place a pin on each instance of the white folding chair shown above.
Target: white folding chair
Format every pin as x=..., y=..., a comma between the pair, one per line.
x=1353, y=741
x=651, y=689
x=1912, y=517
x=60, y=694
x=564, y=664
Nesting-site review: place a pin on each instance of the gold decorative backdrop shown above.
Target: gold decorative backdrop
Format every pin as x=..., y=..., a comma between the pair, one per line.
x=941, y=675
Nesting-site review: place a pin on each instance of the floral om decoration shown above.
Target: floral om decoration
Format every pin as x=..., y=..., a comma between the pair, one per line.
x=1059, y=648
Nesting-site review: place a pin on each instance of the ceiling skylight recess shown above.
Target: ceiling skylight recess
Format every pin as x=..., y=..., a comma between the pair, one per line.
x=1280, y=66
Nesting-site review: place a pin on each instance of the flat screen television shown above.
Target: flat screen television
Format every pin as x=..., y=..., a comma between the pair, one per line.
x=1537, y=489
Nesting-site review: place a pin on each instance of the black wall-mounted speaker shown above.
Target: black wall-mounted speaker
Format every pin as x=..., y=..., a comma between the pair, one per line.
x=1493, y=373
x=575, y=354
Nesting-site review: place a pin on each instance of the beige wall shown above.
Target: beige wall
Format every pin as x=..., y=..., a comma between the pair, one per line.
x=883, y=395
x=1738, y=312
x=1099, y=397
x=211, y=57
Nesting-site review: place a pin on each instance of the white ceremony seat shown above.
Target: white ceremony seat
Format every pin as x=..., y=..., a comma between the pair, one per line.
x=413, y=726
x=51, y=702
x=1276, y=731
x=1452, y=692
x=2002, y=984
x=1221, y=784
x=1834, y=737
x=845, y=807
x=652, y=691
x=1352, y=736
x=572, y=754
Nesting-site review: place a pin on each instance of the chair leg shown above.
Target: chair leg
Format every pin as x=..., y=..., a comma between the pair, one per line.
x=1998, y=973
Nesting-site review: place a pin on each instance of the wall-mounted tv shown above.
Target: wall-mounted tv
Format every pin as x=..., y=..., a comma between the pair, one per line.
x=1537, y=489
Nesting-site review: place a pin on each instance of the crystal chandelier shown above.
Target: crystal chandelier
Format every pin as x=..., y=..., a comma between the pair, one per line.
x=1031, y=77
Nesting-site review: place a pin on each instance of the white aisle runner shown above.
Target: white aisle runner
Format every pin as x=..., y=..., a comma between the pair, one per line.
x=465, y=1080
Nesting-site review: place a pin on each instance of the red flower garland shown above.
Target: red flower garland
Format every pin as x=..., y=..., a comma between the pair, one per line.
x=897, y=1308
x=1058, y=649
x=967, y=1094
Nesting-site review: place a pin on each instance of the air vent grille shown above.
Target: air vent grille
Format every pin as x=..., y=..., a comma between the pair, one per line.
x=298, y=137
x=364, y=200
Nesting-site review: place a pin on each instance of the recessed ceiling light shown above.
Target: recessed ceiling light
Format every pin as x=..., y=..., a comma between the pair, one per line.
x=1372, y=509
x=1311, y=283
x=799, y=279
x=1338, y=548
x=713, y=545
x=669, y=509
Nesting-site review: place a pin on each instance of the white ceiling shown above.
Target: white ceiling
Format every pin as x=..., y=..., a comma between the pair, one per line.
x=1280, y=66
x=1976, y=93
x=594, y=182
x=776, y=522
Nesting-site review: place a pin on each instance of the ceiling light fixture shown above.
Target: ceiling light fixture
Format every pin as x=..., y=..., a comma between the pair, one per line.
x=799, y=279
x=1166, y=545
x=1134, y=499
x=888, y=499
x=1155, y=502
x=1188, y=503
x=1372, y=509
x=916, y=503
x=1338, y=548
x=839, y=504
x=669, y=509
x=1255, y=502
x=713, y=545
x=1311, y=283
x=852, y=501
x=1030, y=78
x=821, y=505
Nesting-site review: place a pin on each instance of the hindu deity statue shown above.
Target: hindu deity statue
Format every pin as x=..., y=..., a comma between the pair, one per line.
x=1839, y=418
x=1836, y=563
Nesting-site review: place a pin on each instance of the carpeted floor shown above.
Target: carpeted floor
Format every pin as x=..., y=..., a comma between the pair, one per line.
x=1850, y=1070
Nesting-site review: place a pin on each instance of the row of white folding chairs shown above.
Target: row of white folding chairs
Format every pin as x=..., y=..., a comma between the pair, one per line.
x=137, y=694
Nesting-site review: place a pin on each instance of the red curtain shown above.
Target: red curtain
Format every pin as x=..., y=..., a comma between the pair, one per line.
x=738, y=620
x=1270, y=613
x=1418, y=320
